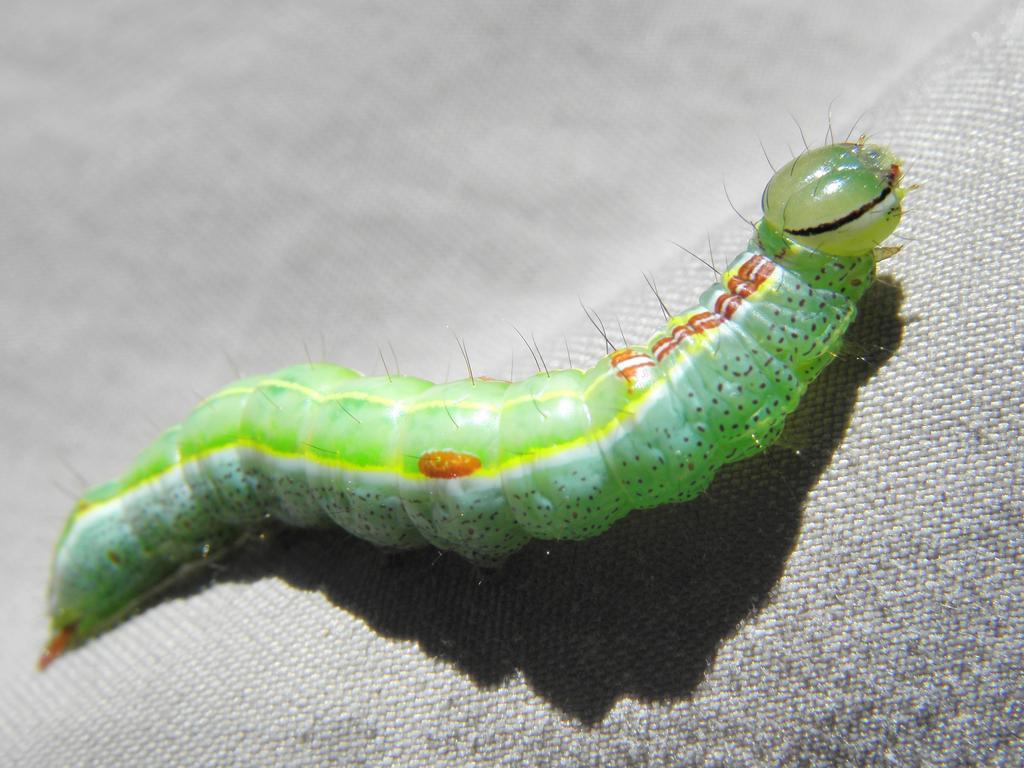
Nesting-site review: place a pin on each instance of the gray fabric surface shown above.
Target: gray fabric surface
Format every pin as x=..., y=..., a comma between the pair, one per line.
x=194, y=189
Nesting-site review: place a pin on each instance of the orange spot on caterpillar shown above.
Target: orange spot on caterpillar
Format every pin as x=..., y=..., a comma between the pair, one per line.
x=57, y=645
x=447, y=465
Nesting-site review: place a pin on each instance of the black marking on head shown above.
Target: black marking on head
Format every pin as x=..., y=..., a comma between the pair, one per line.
x=820, y=229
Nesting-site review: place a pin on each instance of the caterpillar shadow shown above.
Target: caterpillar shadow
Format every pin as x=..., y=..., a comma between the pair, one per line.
x=638, y=612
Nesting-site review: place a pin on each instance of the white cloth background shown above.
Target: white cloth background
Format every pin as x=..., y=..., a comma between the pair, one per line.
x=193, y=190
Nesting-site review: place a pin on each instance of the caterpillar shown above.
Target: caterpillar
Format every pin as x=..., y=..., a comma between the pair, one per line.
x=481, y=466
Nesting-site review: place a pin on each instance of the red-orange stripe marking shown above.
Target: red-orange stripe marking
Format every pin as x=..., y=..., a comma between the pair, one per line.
x=748, y=278
x=660, y=344
x=727, y=304
x=637, y=360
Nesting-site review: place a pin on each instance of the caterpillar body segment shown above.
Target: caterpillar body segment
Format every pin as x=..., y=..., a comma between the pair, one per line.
x=480, y=467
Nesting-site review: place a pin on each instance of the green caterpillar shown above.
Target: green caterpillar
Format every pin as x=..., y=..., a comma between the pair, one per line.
x=479, y=467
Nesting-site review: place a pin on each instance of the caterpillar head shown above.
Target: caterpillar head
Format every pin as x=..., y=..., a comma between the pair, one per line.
x=843, y=199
